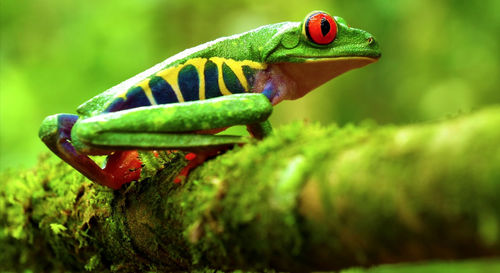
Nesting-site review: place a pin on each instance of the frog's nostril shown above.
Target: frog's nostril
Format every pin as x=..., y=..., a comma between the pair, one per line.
x=370, y=40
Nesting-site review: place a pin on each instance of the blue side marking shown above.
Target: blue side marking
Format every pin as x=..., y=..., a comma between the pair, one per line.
x=231, y=81
x=249, y=75
x=115, y=105
x=162, y=91
x=211, y=81
x=135, y=98
x=189, y=83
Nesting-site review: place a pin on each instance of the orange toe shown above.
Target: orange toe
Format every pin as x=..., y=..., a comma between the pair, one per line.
x=124, y=167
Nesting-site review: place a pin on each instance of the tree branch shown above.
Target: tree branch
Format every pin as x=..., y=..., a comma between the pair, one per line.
x=306, y=198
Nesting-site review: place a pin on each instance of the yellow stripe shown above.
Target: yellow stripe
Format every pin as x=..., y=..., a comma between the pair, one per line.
x=251, y=64
x=123, y=95
x=238, y=71
x=237, y=68
x=147, y=91
x=220, y=79
x=170, y=75
x=199, y=64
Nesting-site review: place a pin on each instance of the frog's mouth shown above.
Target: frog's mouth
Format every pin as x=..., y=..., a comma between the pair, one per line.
x=294, y=80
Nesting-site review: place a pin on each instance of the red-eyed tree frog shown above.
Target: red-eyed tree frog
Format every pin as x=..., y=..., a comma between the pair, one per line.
x=180, y=103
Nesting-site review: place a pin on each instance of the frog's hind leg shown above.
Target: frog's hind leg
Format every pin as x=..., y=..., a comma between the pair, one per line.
x=181, y=126
x=55, y=132
x=173, y=126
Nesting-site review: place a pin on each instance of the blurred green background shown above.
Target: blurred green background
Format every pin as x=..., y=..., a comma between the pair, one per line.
x=439, y=57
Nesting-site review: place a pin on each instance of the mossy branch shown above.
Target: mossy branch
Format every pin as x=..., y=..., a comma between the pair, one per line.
x=306, y=198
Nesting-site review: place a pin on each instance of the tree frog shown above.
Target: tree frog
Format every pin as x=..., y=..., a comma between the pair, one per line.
x=180, y=103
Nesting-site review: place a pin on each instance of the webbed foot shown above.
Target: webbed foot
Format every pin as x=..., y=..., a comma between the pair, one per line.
x=194, y=160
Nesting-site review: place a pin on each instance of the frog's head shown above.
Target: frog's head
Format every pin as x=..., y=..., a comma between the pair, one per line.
x=302, y=56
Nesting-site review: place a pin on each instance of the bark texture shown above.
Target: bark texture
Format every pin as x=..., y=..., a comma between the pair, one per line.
x=306, y=198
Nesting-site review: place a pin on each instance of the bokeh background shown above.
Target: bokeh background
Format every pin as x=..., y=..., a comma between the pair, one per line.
x=439, y=57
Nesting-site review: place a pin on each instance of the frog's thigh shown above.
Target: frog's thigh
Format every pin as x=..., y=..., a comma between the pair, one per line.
x=170, y=125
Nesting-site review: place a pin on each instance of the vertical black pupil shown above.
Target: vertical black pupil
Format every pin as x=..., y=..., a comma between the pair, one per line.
x=325, y=26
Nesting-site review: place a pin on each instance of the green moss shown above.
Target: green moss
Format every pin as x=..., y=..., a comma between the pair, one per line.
x=254, y=191
x=258, y=184
x=93, y=263
x=468, y=266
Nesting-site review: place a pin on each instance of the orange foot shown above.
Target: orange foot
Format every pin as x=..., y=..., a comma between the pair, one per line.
x=194, y=160
x=123, y=167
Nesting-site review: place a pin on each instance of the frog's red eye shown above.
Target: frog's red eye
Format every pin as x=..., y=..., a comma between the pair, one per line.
x=320, y=28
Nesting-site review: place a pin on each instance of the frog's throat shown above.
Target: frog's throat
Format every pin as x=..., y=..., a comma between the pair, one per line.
x=294, y=80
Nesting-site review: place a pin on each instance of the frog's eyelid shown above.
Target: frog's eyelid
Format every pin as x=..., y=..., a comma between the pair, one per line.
x=341, y=20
